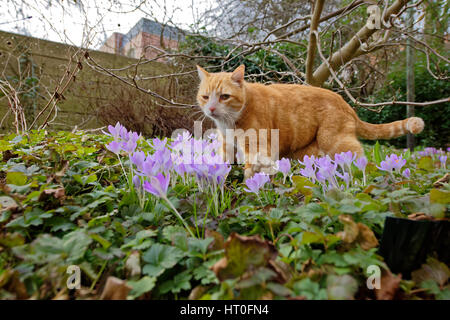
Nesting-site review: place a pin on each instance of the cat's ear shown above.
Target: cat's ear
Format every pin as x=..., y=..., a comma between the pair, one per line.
x=202, y=73
x=238, y=74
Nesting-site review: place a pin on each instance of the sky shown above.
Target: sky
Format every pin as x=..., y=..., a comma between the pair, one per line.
x=66, y=23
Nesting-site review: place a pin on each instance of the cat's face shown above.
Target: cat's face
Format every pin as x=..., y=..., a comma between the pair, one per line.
x=221, y=95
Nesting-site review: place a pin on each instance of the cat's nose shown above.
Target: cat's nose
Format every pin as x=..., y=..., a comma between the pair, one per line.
x=212, y=109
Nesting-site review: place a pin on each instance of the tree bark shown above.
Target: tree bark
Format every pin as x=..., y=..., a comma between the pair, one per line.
x=346, y=53
x=317, y=10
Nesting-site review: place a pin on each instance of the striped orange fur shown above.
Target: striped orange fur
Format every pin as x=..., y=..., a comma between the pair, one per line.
x=311, y=120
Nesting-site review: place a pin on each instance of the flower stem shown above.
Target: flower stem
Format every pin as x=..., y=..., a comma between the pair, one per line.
x=179, y=216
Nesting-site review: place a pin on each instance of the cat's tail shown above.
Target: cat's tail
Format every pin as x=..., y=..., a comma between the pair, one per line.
x=391, y=130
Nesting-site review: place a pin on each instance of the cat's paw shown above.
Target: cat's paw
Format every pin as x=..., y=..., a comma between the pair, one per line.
x=265, y=164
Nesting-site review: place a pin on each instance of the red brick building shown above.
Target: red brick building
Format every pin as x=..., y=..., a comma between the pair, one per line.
x=143, y=39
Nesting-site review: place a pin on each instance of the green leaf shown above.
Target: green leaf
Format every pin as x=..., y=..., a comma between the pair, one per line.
x=309, y=289
x=16, y=178
x=179, y=282
x=341, y=287
x=302, y=185
x=141, y=286
x=378, y=154
x=75, y=244
x=311, y=237
x=105, y=243
x=426, y=163
x=439, y=196
x=159, y=258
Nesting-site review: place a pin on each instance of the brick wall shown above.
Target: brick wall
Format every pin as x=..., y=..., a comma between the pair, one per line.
x=139, y=45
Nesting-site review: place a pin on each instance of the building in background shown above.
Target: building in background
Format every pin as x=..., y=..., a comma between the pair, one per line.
x=144, y=39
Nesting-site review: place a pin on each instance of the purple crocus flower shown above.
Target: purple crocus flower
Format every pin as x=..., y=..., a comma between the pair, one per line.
x=124, y=133
x=443, y=160
x=138, y=158
x=308, y=172
x=345, y=176
x=344, y=158
x=158, y=185
x=129, y=146
x=308, y=161
x=392, y=162
x=161, y=160
x=284, y=166
x=159, y=144
x=133, y=136
x=327, y=169
x=114, y=131
x=218, y=172
x=361, y=163
x=406, y=173
x=397, y=162
x=149, y=167
x=137, y=182
x=114, y=147
x=256, y=182
x=385, y=166
x=430, y=151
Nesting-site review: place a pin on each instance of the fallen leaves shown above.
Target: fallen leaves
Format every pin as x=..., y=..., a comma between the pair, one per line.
x=357, y=233
x=7, y=203
x=243, y=253
x=432, y=270
x=58, y=193
x=10, y=281
x=420, y=216
x=389, y=286
x=440, y=182
x=115, y=289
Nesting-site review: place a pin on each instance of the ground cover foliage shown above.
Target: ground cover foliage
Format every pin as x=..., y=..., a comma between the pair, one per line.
x=135, y=218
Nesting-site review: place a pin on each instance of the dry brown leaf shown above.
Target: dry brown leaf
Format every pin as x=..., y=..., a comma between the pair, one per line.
x=357, y=232
x=419, y=216
x=282, y=270
x=243, y=253
x=197, y=292
x=16, y=286
x=59, y=193
x=351, y=230
x=8, y=154
x=115, y=289
x=8, y=203
x=366, y=238
x=64, y=168
x=218, y=242
x=433, y=269
x=389, y=285
x=61, y=295
x=440, y=183
x=219, y=265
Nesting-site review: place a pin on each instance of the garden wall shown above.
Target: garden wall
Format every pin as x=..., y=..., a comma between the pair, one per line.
x=91, y=100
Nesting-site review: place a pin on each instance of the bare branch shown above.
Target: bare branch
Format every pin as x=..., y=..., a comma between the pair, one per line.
x=318, y=7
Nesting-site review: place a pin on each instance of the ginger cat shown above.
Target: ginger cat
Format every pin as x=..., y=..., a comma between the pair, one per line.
x=311, y=120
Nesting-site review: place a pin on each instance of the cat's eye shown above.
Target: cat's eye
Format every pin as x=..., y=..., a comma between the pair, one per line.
x=205, y=97
x=224, y=96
